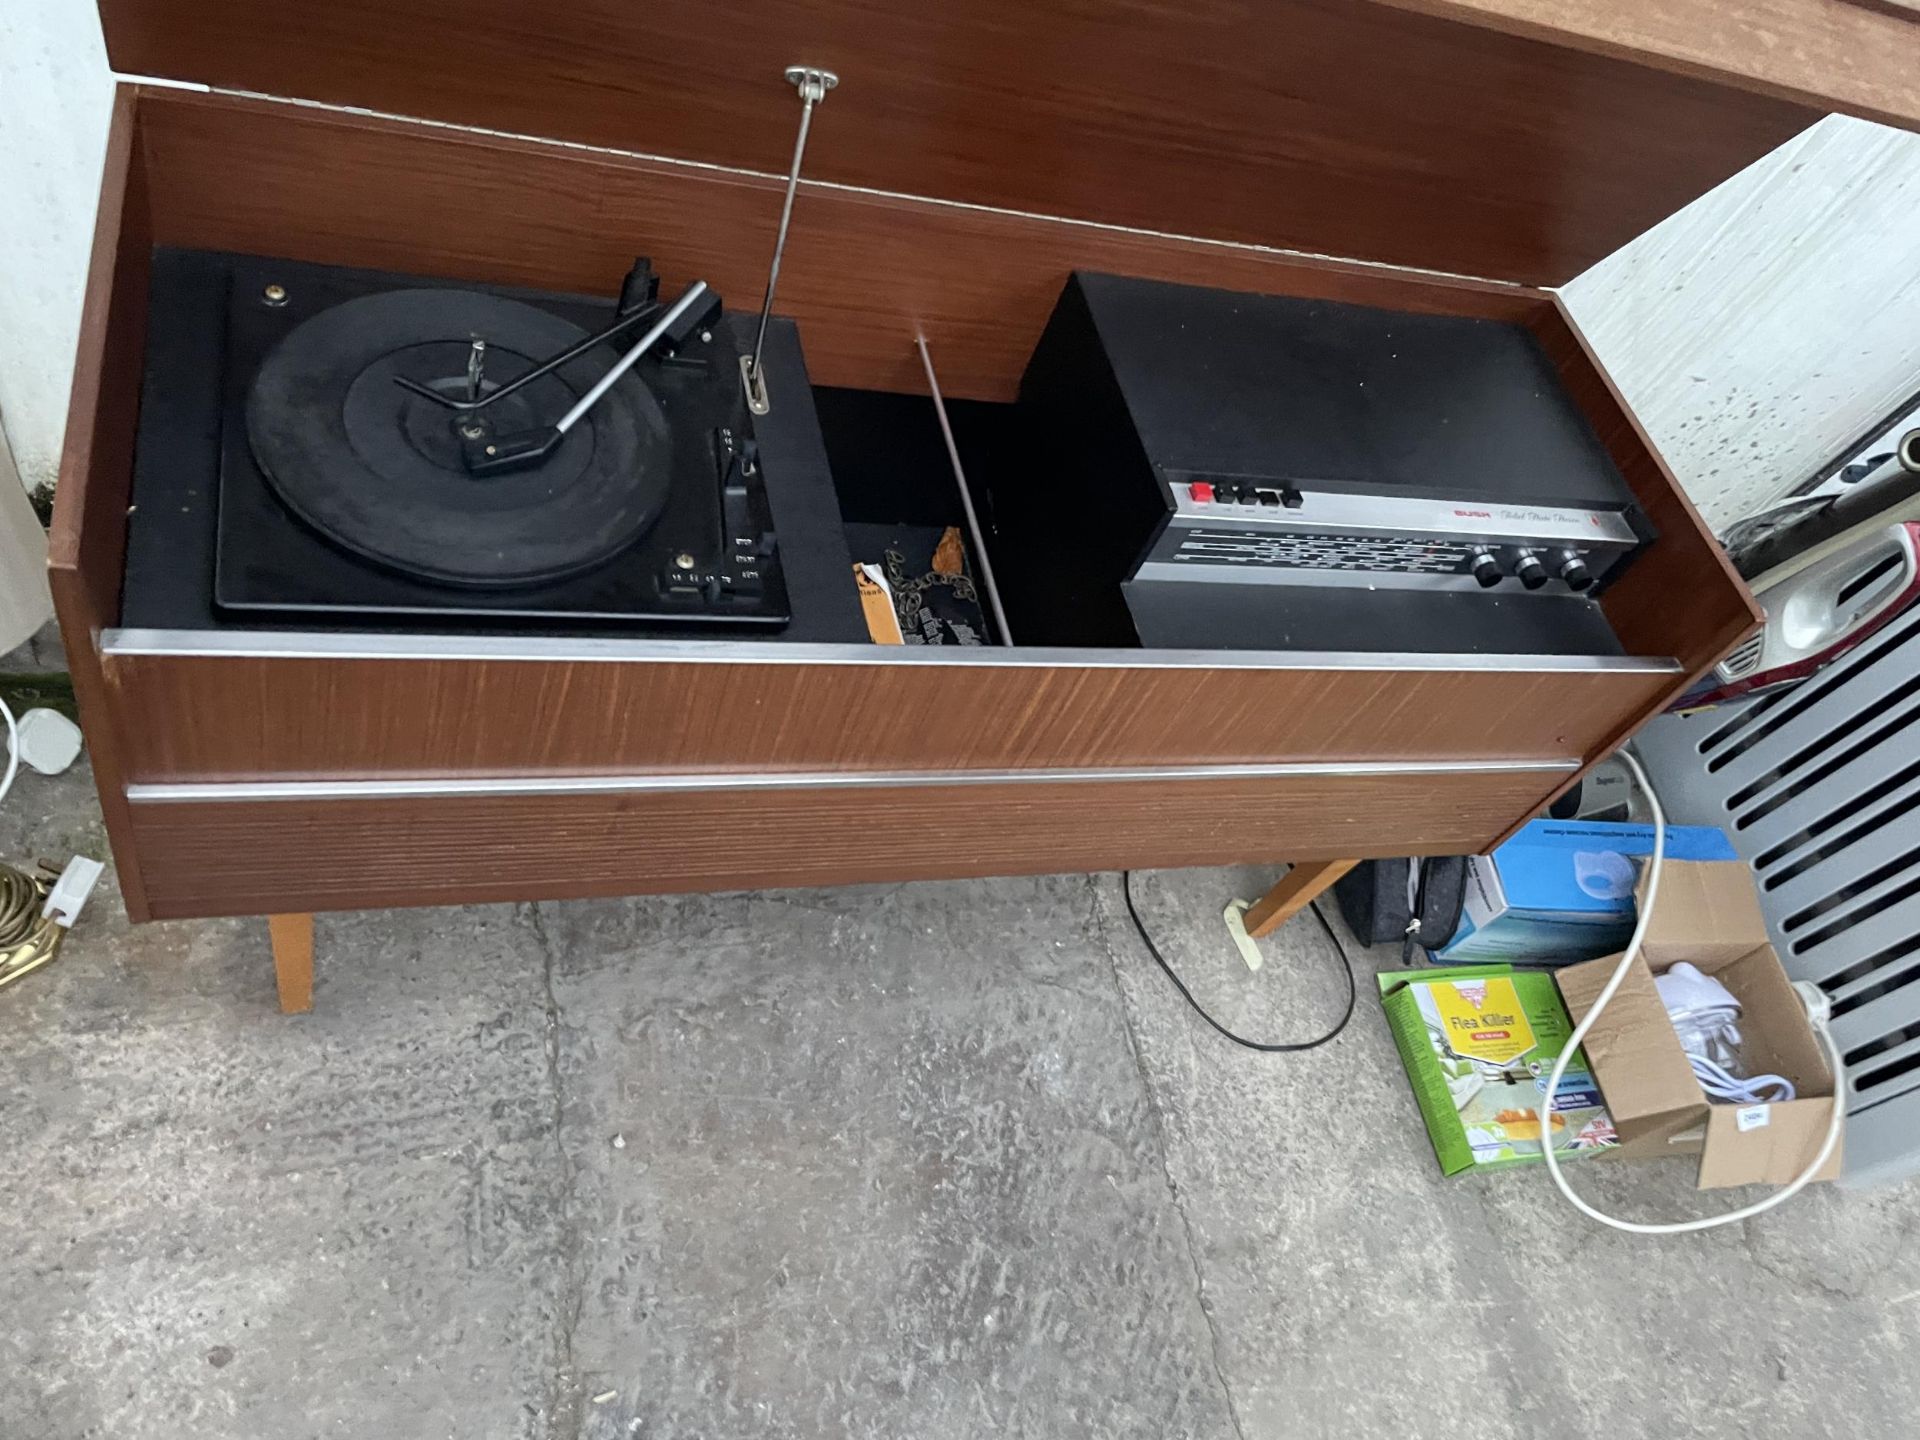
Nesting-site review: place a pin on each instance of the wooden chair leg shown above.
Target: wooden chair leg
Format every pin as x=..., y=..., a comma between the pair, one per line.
x=1297, y=890
x=293, y=960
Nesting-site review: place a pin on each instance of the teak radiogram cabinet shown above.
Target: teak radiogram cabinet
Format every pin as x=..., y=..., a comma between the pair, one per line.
x=972, y=156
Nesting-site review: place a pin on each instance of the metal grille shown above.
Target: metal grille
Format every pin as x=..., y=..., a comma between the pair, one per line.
x=1309, y=551
x=1743, y=658
x=1819, y=787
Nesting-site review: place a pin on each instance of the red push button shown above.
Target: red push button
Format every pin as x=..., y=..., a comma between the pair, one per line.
x=1201, y=492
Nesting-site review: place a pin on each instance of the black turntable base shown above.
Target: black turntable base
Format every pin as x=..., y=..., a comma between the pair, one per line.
x=318, y=448
x=342, y=490
x=379, y=470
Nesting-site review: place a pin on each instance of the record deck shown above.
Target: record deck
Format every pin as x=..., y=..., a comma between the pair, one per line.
x=392, y=451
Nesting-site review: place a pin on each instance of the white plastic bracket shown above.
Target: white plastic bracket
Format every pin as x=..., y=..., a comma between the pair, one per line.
x=71, y=890
x=1236, y=917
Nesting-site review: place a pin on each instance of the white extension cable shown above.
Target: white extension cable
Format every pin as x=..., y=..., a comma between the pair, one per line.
x=1816, y=1010
x=36, y=910
x=13, y=750
x=1705, y=1016
x=1722, y=1084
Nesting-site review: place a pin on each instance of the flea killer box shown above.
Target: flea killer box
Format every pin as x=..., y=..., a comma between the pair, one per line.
x=1478, y=1044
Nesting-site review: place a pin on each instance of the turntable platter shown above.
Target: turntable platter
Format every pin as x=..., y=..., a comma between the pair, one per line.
x=377, y=469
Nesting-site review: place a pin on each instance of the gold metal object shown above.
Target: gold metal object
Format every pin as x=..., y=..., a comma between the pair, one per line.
x=274, y=294
x=28, y=939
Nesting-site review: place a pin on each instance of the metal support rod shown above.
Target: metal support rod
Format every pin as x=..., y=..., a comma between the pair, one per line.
x=966, y=498
x=813, y=86
x=627, y=361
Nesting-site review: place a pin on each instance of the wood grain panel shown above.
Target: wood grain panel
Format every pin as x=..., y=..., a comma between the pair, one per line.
x=1681, y=593
x=251, y=857
x=1853, y=56
x=87, y=543
x=860, y=274
x=1328, y=126
x=230, y=718
x=87, y=539
x=258, y=175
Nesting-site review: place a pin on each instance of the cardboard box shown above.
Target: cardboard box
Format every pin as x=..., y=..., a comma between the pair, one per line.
x=1707, y=913
x=1478, y=1044
x=1562, y=890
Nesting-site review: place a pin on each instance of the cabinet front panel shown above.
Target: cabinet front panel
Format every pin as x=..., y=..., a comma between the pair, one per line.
x=277, y=718
x=239, y=856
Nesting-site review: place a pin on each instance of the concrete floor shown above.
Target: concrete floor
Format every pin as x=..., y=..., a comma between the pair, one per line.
x=930, y=1161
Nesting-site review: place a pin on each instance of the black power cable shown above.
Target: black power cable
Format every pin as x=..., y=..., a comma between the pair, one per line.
x=1265, y=1047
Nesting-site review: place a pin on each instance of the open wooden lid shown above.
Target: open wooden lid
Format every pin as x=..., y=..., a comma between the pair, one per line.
x=1336, y=127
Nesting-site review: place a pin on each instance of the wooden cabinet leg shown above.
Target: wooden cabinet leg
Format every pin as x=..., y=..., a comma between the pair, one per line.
x=293, y=960
x=1296, y=890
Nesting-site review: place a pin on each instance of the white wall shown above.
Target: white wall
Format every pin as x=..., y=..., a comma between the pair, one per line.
x=1769, y=323
x=1755, y=332
x=54, y=97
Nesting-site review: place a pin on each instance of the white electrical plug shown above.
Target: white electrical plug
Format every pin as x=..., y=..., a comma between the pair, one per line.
x=47, y=741
x=1819, y=1004
x=71, y=890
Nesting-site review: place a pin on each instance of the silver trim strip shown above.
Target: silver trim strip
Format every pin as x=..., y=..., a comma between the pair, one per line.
x=347, y=645
x=1391, y=515
x=225, y=790
x=1201, y=571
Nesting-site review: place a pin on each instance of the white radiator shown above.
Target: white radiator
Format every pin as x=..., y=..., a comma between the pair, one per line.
x=1817, y=786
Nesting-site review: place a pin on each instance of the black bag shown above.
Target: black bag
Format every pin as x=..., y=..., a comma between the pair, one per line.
x=1380, y=899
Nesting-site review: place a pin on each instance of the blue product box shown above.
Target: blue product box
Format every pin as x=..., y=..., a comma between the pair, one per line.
x=1562, y=890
